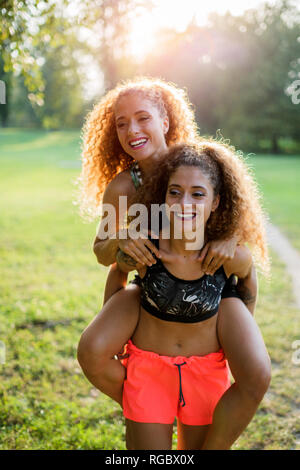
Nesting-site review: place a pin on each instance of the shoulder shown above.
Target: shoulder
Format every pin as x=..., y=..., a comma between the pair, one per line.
x=121, y=185
x=240, y=264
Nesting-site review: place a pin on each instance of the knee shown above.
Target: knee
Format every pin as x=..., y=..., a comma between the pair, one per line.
x=262, y=382
x=91, y=352
x=257, y=381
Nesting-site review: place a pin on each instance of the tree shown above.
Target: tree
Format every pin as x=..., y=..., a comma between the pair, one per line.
x=237, y=70
x=63, y=97
x=34, y=29
x=263, y=108
x=111, y=22
x=23, y=25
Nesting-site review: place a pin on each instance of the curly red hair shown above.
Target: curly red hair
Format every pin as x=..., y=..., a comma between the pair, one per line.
x=102, y=155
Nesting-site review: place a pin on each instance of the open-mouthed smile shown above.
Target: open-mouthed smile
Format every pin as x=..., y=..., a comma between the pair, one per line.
x=138, y=143
x=185, y=215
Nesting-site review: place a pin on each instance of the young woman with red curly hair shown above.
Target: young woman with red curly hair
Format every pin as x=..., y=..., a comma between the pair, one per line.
x=134, y=124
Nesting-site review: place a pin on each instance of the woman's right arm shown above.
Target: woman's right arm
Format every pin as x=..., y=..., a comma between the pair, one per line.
x=105, y=248
x=127, y=264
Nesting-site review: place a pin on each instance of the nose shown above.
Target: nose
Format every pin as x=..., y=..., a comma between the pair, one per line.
x=186, y=202
x=133, y=127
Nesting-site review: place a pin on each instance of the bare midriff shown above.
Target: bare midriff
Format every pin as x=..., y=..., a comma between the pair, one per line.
x=176, y=339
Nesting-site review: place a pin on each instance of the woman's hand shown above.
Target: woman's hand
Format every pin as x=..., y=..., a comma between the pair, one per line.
x=139, y=250
x=215, y=253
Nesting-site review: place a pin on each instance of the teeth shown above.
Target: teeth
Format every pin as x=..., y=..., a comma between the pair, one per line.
x=138, y=142
x=185, y=216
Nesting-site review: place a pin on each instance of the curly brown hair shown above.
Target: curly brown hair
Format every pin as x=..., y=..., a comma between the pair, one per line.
x=239, y=211
x=102, y=155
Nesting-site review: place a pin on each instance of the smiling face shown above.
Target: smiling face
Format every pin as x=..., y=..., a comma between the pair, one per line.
x=192, y=195
x=140, y=127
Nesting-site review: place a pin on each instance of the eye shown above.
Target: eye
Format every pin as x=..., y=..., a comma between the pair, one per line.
x=121, y=124
x=198, y=194
x=144, y=118
x=174, y=192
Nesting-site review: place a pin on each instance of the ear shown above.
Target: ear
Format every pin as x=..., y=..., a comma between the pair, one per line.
x=166, y=125
x=216, y=203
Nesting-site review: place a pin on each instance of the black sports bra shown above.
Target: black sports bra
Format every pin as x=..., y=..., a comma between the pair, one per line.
x=172, y=299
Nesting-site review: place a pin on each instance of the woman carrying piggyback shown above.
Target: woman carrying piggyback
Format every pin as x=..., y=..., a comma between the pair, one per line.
x=176, y=367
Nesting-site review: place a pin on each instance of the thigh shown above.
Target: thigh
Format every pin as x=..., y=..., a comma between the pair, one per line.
x=115, y=323
x=148, y=436
x=190, y=437
x=241, y=339
x=115, y=281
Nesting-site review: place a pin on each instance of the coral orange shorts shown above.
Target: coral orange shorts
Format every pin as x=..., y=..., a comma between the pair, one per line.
x=159, y=388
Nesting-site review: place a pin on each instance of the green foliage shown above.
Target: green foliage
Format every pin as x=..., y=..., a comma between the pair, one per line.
x=29, y=32
x=23, y=25
x=112, y=24
x=63, y=103
x=238, y=70
x=41, y=44
x=279, y=180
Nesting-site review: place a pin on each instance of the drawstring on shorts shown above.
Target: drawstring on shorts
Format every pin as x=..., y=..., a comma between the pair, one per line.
x=181, y=397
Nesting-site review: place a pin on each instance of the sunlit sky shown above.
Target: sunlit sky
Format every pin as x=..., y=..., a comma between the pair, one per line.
x=176, y=14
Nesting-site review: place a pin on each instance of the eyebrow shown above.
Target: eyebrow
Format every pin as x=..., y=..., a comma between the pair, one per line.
x=137, y=112
x=178, y=186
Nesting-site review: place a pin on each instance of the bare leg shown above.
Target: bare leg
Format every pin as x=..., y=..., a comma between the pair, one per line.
x=249, y=363
x=115, y=281
x=148, y=436
x=190, y=437
x=105, y=337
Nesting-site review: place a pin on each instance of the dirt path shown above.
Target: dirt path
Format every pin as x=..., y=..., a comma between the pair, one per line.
x=291, y=258
x=288, y=255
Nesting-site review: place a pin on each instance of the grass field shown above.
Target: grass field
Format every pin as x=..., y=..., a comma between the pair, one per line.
x=278, y=179
x=51, y=287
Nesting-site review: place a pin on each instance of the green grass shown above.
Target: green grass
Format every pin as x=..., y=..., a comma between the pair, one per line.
x=278, y=179
x=51, y=287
